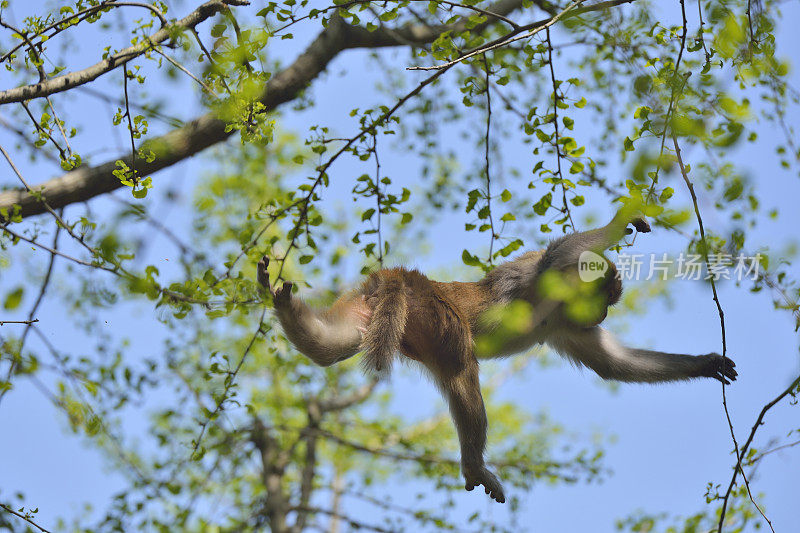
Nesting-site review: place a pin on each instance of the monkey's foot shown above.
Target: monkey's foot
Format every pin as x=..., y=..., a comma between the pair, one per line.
x=280, y=297
x=720, y=368
x=490, y=483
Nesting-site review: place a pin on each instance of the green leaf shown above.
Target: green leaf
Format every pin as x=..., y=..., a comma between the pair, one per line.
x=13, y=299
x=544, y=203
x=628, y=144
x=470, y=259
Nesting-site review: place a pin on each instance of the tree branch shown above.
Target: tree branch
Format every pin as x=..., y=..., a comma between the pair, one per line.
x=80, y=77
x=207, y=130
x=25, y=517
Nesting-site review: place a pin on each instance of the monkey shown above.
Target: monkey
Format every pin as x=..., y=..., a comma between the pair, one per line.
x=436, y=324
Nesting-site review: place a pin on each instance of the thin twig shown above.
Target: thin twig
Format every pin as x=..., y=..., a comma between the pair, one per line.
x=789, y=390
x=39, y=128
x=704, y=247
x=186, y=71
x=555, y=125
x=378, y=196
x=700, y=31
x=28, y=322
x=23, y=517
x=31, y=321
x=513, y=36
x=58, y=124
x=761, y=455
x=230, y=380
x=56, y=252
x=672, y=101
x=486, y=158
x=134, y=176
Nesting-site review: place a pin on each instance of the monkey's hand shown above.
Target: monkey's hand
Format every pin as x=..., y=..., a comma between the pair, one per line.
x=641, y=224
x=720, y=368
x=482, y=476
x=280, y=297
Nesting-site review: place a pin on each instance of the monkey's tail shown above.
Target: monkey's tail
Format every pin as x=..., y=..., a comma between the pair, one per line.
x=385, y=330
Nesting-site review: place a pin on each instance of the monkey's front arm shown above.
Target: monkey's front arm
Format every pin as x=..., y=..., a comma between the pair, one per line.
x=327, y=336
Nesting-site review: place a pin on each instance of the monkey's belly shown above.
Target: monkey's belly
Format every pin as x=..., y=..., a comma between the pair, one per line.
x=436, y=333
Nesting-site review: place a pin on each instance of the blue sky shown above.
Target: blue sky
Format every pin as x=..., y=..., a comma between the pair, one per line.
x=670, y=440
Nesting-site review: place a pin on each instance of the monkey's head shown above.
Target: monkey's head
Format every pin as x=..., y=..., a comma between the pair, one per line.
x=580, y=300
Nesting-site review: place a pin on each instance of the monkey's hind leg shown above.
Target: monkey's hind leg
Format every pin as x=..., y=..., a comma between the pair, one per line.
x=462, y=389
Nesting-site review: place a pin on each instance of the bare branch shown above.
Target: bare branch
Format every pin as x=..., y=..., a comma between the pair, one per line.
x=789, y=390
x=28, y=322
x=739, y=453
x=186, y=71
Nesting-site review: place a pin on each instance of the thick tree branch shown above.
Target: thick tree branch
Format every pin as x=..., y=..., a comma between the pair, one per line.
x=81, y=77
x=85, y=183
x=276, y=505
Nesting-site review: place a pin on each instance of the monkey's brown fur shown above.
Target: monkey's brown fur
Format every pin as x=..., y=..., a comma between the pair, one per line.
x=402, y=311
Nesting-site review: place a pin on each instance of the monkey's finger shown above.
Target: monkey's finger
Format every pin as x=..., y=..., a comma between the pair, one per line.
x=469, y=486
x=727, y=369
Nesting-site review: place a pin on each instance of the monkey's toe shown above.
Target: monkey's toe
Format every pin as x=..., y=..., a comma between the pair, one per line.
x=490, y=484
